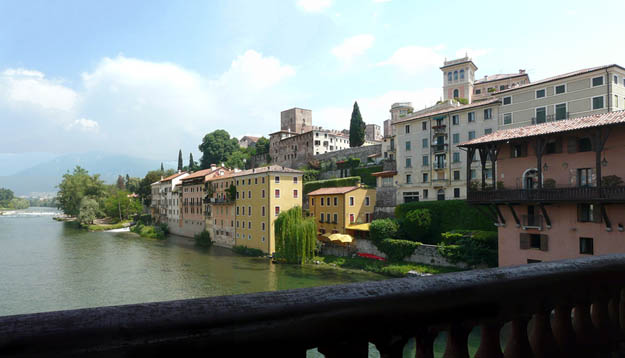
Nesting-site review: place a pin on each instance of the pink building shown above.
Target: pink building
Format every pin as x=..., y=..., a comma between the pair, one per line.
x=557, y=190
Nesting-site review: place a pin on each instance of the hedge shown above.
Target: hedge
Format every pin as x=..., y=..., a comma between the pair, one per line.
x=397, y=250
x=472, y=247
x=381, y=229
x=447, y=215
x=365, y=174
x=330, y=183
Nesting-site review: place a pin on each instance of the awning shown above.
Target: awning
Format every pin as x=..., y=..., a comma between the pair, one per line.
x=359, y=227
x=343, y=238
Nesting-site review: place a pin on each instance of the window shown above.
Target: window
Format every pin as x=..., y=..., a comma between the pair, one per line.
x=424, y=126
x=277, y=180
x=507, y=118
x=408, y=179
x=425, y=160
x=387, y=181
x=321, y=201
x=367, y=201
x=584, y=177
x=440, y=194
x=455, y=119
x=462, y=74
x=488, y=131
x=424, y=143
x=507, y=100
x=238, y=210
x=456, y=192
x=407, y=128
x=615, y=79
x=541, y=115
x=518, y=150
x=478, y=91
x=277, y=210
x=534, y=241
x=277, y=193
x=586, y=246
x=455, y=75
x=407, y=145
x=471, y=116
x=425, y=193
x=408, y=163
x=352, y=218
x=471, y=135
x=540, y=93
x=473, y=174
x=249, y=211
x=249, y=194
x=616, y=100
x=294, y=180
x=249, y=224
x=584, y=145
x=295, y=193
x=587, y=213
x=561, y=112
x=262, y=193
x=456, y=157
x=488, y=113
x=367, y=217
x=456, y=93
x=336, y=201
x=597, y=102
x=262, y=180
x=249, y=237
x=448, y=76
x=597, y=81
x=351, y=201
x=425, y=177
x=336, y=218
x=249, y=181
x=262, y=208
x=560, y=89
x=237, y=194
x=455, y=138
x=321, y=217
x=456, y=174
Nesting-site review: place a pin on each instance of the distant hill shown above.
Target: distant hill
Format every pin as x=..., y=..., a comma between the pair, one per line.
x=43, y=177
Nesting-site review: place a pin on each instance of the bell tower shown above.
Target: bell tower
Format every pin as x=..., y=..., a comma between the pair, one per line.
x=458, y=78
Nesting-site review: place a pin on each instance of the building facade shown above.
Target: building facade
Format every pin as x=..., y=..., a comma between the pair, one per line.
x=170, y=213
x=373, y=132
x=220, y=214
x=248, y=141
x=339, y=210
x=561, y=194
x=296, y=120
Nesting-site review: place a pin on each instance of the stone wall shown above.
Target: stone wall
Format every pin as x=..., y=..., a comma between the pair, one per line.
x=424, y=254
x=358, y=152
x=386, y=196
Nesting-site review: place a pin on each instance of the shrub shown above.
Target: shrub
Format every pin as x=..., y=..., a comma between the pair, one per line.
x=474, y=248
x=415, y=225
x=462, y=100
x=549, y=183
x=365, y=174
x=148, y=231
x=296, y=236
x=330, y=183
x=611, y=180
x=203, y=239
x=397, y=250
x=381, y=229
x=447, y=215
x=310, y=175
x=247, y=251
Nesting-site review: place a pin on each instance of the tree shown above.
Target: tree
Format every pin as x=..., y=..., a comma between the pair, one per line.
x=262, y=146
x=127, y=181
x=120, y=206
x=356, y=128
x=74, y=187
x=192, y=163
x=145, y=186
x=120, y=183
x=296, y=236
x=162, y=168
x=180, y=164
x=216, y=148
x=6, y=195
x=88, y=211
x=133, y=184
x=237, y=159
x=381, y=229
x=416, y=224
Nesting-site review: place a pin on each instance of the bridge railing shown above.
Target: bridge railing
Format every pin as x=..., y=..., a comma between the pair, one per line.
x=576, y=309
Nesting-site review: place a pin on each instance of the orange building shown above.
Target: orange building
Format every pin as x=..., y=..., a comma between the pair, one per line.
x=220, y=214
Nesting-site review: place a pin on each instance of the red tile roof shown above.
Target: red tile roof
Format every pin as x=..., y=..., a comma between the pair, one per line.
x=173, y=176
x=597, y=120
x=329, y=191
x=386, y=173
x=449, y=110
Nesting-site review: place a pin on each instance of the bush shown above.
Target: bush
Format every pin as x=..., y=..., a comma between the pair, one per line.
x=397, y=250
x=203, y=239
x=145, y=219
x=164, y=227
x=365, y=174
x=462, y=100
x=611, y=180
x=381, y=229
x=310, y=175
x=447, y=215
x=247, y=251
x=330, y=183
x=474, y=248
x=148, y=231
x=415, y=225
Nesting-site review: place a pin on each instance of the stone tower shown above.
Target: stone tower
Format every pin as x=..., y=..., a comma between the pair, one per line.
x=458, y=77
x=296, y=120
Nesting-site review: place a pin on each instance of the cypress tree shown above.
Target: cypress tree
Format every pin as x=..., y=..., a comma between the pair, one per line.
x=356, y=128
x=296, y=236
x=191, y=162
x=162, y=168
x=180, y=159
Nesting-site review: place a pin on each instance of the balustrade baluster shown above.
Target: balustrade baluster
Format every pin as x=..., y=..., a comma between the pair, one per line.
x=621, y=306
x=584, y=329
x=490, y=343
x=600, y=318
x=424, y=343
x=457, y=346
x=518, y=344
x=563, y=332
x=391, y=347
x=345, y=349
x=542, y=340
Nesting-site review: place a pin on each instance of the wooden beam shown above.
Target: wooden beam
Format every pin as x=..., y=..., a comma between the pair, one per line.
x=502, y=220
x=604, y=214
x=514, y=215
x=544, y=211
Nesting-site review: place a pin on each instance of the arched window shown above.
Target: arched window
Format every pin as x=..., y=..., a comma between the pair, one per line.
x=440, y=195
x=448, y=76
x=530, y=179
x=462, y=74
x=456, y=94
x=455, y=75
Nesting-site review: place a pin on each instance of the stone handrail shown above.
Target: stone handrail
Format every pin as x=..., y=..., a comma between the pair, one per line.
x=576, y=306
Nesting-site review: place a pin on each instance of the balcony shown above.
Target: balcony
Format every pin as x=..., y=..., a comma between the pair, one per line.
x=533, y=222
x=439, y=128
x=568, y=194
x=436, y=148
x=438, y=165
x=575, y=308
x=550, y=118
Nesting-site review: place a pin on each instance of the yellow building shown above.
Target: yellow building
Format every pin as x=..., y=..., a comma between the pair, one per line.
x=342, y=210
x=262, y=193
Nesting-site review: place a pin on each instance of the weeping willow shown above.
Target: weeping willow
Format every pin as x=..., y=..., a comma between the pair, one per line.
x=295, y=236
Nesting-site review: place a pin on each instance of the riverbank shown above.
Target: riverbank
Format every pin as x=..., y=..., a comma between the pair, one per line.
x=391, y=269
x=111, y=226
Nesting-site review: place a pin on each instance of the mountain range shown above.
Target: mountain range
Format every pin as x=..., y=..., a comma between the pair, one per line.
x=44, y=177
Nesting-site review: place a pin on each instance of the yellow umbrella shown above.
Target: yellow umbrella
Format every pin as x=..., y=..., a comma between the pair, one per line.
x=345, y=239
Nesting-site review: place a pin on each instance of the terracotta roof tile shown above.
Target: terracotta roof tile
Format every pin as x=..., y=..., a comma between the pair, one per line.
x=329, y=191
x=268, y=169
x=597, y=120
x=173, y=176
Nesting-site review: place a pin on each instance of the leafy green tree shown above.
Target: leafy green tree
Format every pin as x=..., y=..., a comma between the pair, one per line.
x=6, y=195
x=381, y=229
x=216, y=148
x=192, y=163
x=237, y=159
x=18, y=203
x=162, y=168
x=262, y=146
x=76, y=186
x=133, y=184
x=416, y=224
x=356, y=128
x=120, y=206
x=296, y=236
x=120, y=183
x=88, y=211
x=180, y=164
x=145, y=188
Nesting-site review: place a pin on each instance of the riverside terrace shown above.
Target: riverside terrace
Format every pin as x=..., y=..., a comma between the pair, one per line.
x=575, y=308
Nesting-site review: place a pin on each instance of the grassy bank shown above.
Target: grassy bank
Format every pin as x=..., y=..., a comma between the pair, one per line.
x=393, y=269
x=104, y=227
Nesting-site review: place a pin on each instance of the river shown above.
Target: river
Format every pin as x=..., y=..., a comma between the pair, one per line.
x=47, y=265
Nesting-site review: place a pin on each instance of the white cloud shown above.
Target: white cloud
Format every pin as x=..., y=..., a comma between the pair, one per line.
x=353, y=46
x=412, y=59
x=473, y=53
x=314, y=5
x=256, y=71
x=31, y=88
x=84, y=125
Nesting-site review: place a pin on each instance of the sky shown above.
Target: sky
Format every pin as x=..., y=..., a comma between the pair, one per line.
x=147, y=78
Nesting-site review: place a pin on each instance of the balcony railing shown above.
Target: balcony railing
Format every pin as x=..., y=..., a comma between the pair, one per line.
x=440, y=165
x=439, y=148
x=533, y=221
x=439, y=129
x=576, y=308
x=606, y=194
x=550, y=118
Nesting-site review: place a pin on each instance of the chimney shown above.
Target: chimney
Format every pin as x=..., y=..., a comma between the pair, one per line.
x=521, y=72
x=213, y=166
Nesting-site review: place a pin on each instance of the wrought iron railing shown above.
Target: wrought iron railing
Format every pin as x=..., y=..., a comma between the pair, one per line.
x=577, y=309
x=586, y=193
x=439, y=148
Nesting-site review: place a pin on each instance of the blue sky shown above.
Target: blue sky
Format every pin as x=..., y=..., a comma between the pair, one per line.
x=149, y=77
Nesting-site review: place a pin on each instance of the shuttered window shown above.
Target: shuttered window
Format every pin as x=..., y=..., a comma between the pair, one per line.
x=533, y=241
